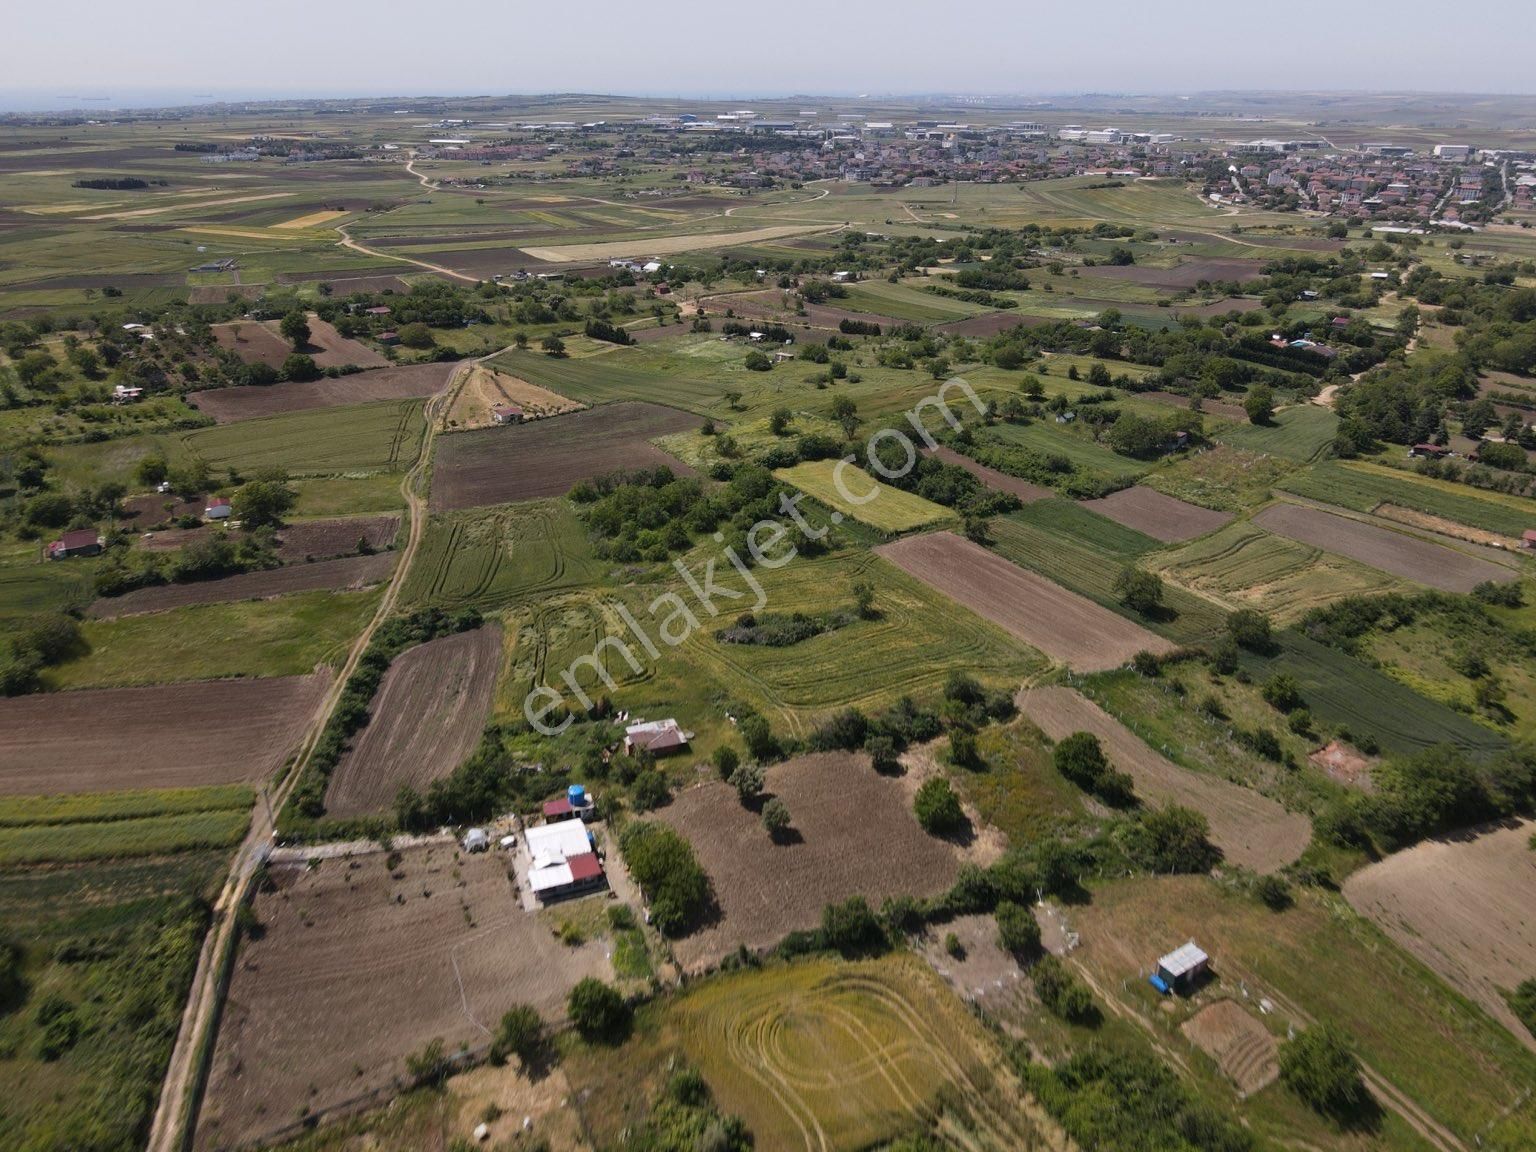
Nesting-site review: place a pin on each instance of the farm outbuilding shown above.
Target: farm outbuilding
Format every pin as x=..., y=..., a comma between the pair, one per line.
x=85, y=542
x=576, y=804
x=1181, y=969
x=218, y=510
x=658, y=737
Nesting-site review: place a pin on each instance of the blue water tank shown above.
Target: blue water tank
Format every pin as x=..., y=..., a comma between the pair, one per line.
x=577, y=795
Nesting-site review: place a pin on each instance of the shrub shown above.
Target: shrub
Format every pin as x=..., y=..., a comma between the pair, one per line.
x=726, y=761
x=938, y=808
x=1273, y=892
x=1172, y=840
x=1280, y=692
x=1080, y=758
x=1319, y=1067
x=521, y=1034
x=852, y=928
x=776, y=817
x=597, y=1011
x=1250, y=628
x=962, y=748
x=1017, y=931
x=1063, y=993
x=1139, y=590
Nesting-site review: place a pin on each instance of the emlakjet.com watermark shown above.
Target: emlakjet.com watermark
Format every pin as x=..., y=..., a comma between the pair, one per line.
x=726, y=583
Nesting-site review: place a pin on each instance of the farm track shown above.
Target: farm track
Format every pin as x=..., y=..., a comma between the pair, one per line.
x=176, y=1111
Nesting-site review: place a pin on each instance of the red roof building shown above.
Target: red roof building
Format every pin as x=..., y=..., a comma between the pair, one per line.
x=560, y=809
x=585, y=869
x=83, y=542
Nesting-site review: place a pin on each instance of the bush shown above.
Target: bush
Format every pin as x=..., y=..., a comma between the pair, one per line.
x=1250, y=628
x=597, y=1010
x=726, y=761
x=1063, y=993
x=1273, y=892
x=668, y=872
x=776, y=817
x=852, y=929
x=1280, y=692
x=1139, y=590
x=1319, y=1067
x=1017, y=931
x=938, y=808
x=521, y=1034
x=962, y=748
x=1080, y=758
x=1172, y=840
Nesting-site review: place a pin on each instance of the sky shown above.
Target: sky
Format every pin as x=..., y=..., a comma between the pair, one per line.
x=167, y=50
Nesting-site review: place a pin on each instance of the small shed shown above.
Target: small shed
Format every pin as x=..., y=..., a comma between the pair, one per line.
x=507, y=414
x=476, y=840
x=1180, y=969
x=218, y=510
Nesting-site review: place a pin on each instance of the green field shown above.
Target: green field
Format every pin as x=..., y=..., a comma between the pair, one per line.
x=491, y=557
x=1048, y=438
x=1363, y=486
x=876, y=504
x=114, y=839
x=1303, y=432
x=38, y=587
x=89, y=807
x=384, y=436
x=1247, y=567
x=1044, y=538
x=907, y=302
x=1227, y=479
x=283, y=637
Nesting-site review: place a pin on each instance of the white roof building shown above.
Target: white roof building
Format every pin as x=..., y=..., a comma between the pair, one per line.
x=552, y=848
x=1182, y=961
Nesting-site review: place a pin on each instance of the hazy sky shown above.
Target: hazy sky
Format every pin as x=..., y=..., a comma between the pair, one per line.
x=462, y=47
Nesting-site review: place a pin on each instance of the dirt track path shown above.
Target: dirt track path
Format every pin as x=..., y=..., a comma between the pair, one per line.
x=346, y=241
x=181, y=1091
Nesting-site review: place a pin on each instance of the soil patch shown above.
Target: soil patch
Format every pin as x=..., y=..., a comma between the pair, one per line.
x=989, y=324
x=1381, y=548
x=426, y=719
x=855, y=835
x=1161, y=517
x=168, y=736
x=322, y=539
x=1242, y=1047
x=1416, y=519
x=548, y=457
x=1463, y=906
x=348, y=572
x=1062, y=624
x=1251, y=830
x=1346, y=764
x=361, y=962
x=1185, y=275
x=407, y=382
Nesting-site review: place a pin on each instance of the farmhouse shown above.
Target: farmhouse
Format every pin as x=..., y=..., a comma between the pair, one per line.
x=85, y=542
x=1429, y=451
x=507, y=414
x=658, y=737
x=563, y=861
x=1181, y=969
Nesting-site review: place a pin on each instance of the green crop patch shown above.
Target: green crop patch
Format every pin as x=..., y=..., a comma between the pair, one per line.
x=1304, y=432
x=1364, y=487
x=101, y=807
x=863, y=497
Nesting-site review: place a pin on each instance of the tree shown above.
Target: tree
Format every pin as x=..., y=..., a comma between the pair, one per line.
x=295, y=329
x=521, y=1034
x=298, y=366
x=597, y=1010
x=417, y=336
x=1318, y=1066
x=726, y=761
x=1172, y=840
x=938, y=808
x=1017, y=931
x=553, y=345
x=150, y=471
x=1259, y=403
x=668, y=872
x=864, y=600
x=852, y=928
x=261, y=503
x=1250, y=628
x=1139, y=590
x=776, y=817
x=962, y=748
x=1281, y=692
x=1063, y=993
x=846, y=413
x=882, y=754
x=748, y=780
x=779, y=421
x=757, y=362
x=977, y=530
x=1080, y=758
x=938, y=367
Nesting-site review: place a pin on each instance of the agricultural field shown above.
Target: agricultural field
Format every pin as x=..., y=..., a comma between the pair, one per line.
x=548, y=457
x=437, y=936
x=1461, y=905
x=497, y=556
x=1162, y=517
x=322, y=539
x=425, y=720
x=350, y=572
x=1367, y=487
x=290, y=636
x=1063, y=625
x=1051, y=439
x=1303, y=433
x=1243, y=565
x=1251, y=830
x=121, y=739
x=485, y=389
x=863, y=497
x=1398, y=553
x=1223, y=478
x=251, y=402
x=992, y=478
x=384, y=436
x=854, y=835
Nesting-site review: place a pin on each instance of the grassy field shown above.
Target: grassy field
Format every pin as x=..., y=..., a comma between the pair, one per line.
x=284, y=637
x=114, y=944
x=1304, y=432
x=491, y=557
x=1046, y=542
x=1227, y=479
x=824, y=1054
x=36, y=587
x=1363, y=486
x=1051, y=439
x=115, y=839
x=1320, y=958
x=91, y=807
x=907, y=302
x=1245, y=566
x=888, y=509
